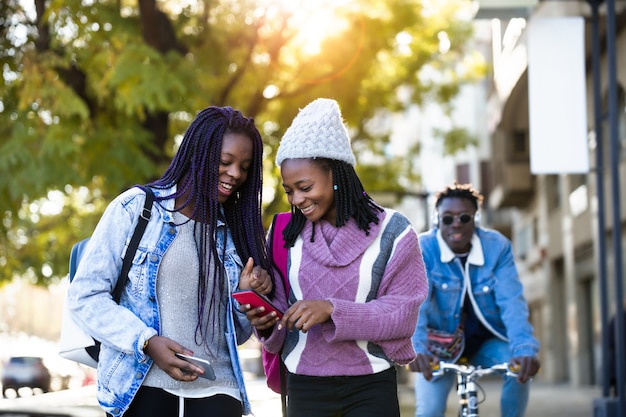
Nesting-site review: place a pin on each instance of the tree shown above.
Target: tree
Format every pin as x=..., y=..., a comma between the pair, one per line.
x=95, y=94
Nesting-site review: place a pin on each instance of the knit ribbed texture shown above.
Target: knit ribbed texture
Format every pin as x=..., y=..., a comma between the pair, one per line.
x=177, y=293
x=376, y=284
x=317, y=131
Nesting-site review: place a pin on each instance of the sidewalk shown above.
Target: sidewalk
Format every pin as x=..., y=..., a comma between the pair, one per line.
x=546, y=400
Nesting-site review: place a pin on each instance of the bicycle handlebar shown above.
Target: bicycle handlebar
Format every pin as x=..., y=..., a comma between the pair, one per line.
x=473, y=372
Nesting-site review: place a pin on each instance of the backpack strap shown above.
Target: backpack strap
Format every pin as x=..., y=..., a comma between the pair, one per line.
x=280, y=258
x=144, y=218
x=280, y=254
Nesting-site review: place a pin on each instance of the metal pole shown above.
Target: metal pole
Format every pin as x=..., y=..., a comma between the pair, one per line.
x=598, y=116
x=617, y=218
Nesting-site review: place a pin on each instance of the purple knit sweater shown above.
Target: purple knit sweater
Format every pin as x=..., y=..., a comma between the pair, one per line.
x=376, y=284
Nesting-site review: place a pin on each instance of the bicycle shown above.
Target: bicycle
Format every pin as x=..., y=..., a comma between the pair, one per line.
x=467, y=387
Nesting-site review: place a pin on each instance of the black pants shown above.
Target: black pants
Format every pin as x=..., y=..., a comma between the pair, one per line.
x=151, y=401
x=373, y=395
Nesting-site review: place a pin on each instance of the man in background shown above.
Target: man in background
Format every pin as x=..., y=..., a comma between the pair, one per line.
x=474, y=290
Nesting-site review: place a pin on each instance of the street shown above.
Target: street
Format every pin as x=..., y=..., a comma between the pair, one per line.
x=546, y=400
x=81, y=402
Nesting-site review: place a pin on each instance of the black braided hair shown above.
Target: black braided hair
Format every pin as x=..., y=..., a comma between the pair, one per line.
x=457, y=190
x=351, y=200
x=195, y=169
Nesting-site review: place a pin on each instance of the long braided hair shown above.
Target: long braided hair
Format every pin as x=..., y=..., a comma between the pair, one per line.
x=195, y=170
x=351, y=200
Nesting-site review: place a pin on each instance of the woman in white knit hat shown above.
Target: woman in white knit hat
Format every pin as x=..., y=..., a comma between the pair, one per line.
x=356, y=277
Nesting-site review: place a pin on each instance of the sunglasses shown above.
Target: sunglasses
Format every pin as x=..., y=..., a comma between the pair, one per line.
x=449, y=219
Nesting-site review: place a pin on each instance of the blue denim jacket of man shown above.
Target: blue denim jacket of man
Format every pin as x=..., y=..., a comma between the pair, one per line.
x=492, y=281
x=122, y=329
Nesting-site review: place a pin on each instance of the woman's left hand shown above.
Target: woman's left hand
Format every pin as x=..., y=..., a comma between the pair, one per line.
x=257, y=317
x=255, y=278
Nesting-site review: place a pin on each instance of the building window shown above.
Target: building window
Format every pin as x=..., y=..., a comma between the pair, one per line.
x=518, y=146
x=579, y=200
x=519, y=142
x=578, y=197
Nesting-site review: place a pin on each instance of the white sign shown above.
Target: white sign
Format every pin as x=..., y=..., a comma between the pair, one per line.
x=557, y=96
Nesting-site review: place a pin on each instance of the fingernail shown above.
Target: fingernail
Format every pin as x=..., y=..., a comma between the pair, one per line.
x=280, y=326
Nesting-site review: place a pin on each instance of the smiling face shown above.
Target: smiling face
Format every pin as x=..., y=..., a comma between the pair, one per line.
x=458, y=235
x=235, y=162
x=309, y=187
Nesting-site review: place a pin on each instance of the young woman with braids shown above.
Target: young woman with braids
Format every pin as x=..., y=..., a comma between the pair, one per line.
x=204, y=240
x=356, y=275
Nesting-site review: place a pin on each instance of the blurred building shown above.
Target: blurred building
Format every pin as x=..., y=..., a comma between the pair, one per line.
x=552, y=219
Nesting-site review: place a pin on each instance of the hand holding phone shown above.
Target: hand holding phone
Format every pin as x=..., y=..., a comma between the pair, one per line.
x=201, y=363
x=256, y=300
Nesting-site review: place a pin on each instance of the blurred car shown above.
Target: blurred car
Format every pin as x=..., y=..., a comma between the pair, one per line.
x=25, y=371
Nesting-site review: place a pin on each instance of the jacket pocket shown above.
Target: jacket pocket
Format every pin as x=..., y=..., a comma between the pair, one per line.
x=138, y=274
x=484, y=295
x=444, y=301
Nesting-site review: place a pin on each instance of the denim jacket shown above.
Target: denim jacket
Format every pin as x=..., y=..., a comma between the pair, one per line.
x=491, y=280
x=123, y=329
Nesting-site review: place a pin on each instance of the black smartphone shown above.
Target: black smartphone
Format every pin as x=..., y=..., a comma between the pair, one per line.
x=201, y=363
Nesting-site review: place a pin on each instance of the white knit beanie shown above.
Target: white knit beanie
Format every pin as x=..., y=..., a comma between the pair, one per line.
x=317, y=132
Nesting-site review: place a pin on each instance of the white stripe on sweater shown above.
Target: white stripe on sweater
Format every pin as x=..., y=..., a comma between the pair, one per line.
x=365, y=284
x=295, y=257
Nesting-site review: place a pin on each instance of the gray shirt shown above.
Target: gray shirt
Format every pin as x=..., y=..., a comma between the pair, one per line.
x=177, y=294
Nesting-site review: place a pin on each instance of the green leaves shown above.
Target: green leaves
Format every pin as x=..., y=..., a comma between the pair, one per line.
x=94, y=96
x=456, y=139
x=145, y=81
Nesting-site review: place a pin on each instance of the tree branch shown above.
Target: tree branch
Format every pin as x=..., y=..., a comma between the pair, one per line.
x=157, y=29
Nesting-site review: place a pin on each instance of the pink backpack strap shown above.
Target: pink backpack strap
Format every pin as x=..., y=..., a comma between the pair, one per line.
x=280, y=253
x=272, y=364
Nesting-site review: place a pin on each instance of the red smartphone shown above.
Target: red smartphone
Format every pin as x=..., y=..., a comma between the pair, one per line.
x=256, y=300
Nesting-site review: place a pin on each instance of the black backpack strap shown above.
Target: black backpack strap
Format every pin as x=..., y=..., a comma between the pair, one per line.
x=144, y=218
